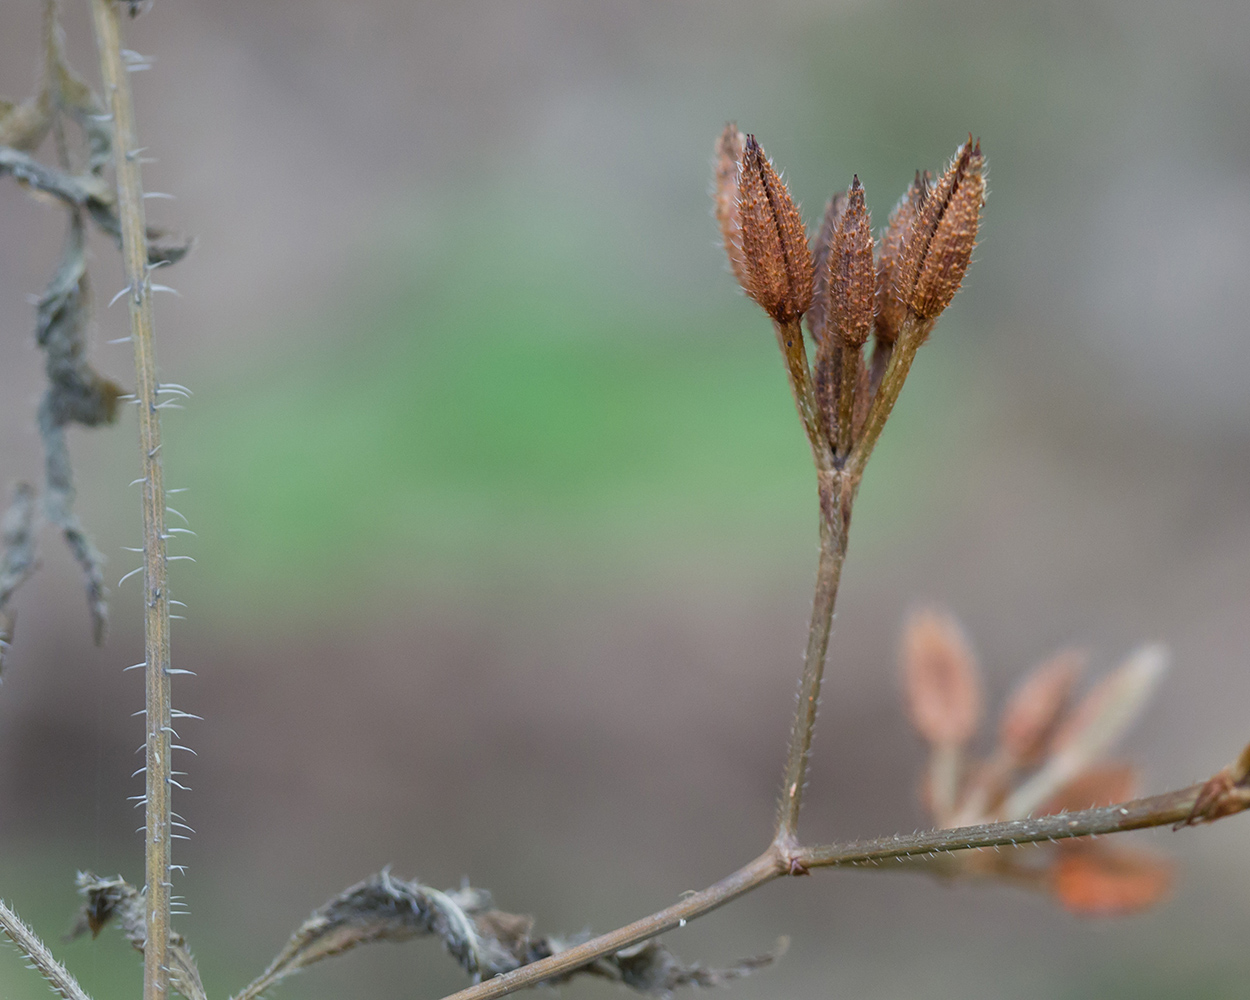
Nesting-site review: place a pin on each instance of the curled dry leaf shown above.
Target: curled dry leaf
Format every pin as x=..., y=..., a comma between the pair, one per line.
x=1094, y=881
x=941, y=681
x=116, y=899
x=776, y=258
x=484, y=941
x=1035, y=707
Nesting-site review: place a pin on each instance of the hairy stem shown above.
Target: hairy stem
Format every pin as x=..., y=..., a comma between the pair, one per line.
x=851, y=357
x=36, y=951
x=834, y=520
x=155, y=582
x=1158, y=810
x=790, y=338
x=911, y=336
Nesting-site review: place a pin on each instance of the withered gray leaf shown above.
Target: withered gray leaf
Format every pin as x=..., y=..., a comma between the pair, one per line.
x=115, y=898
x=18, y=557
x=485, y=941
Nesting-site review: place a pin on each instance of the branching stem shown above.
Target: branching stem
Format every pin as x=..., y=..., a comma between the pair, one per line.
x=156, y=587
x=1159, y=810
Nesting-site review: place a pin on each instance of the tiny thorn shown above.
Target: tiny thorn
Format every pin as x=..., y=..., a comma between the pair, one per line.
x=176, y=714
x=158, y=194
x=136, y=666
x=166, y=288
x=133, y=154
x=129, y=575
x=175, y=558
x=119, y=340
x=170, y=510
x=136, y=482
x=176, y=670
x=113, y=300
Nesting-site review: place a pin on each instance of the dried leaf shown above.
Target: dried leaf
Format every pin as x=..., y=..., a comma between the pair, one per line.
x=109, y=899
x=1226, y=793
x=486, y=942
x=18, y=557
x=942, y=684
x=1034, y=708
x=651, y=968
x=1093, y=727
x=1101, y=785
x=1104, y=881
x=778, y=262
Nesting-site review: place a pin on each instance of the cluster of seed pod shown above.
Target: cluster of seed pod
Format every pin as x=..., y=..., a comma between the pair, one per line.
x=848, y=287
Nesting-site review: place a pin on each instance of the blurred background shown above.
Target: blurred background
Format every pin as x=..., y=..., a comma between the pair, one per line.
x=506, y=526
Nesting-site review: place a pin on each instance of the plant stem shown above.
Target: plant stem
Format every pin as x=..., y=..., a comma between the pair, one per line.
x=910, y=338
x=834, y=520
x=851, y=358
x=765, y=868
x=790, y=339
x=1158, y=810
x=155, y=582
x=36, y=951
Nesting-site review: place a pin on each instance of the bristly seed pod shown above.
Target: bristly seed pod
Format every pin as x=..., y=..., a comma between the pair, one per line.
x=939, y=246
x=850, y=272
x=728, y=160
x=891, y=308
x=777, y=260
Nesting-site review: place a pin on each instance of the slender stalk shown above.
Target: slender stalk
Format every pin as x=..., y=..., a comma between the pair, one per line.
x=36, y=951
x=851, y=358
x=790, y=339
x=910, y=338
x=1158, y=810
x=155, y=582
x=834, y=520
x=765, y=868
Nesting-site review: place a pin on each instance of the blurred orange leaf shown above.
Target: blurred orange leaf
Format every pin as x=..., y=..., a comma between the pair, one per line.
x=1109, y=882
x=1034, y=708
x=941, y=681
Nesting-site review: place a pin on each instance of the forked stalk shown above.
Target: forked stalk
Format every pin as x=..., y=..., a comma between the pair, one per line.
x=155, y=581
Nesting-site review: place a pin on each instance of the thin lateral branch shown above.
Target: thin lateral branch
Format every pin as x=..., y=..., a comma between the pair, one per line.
x=84, y=191
x=834, y=519
x=18, y=556
x=156, y=584
x=765, y=868
x=1167, y=809
x=28, y=944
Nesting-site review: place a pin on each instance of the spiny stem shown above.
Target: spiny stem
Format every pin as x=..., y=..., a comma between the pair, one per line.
x=36, y=951
x=156, y=586
x=1158, y=810
x=834, y=520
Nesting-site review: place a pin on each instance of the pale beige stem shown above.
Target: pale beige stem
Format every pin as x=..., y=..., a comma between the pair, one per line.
x=155, y=581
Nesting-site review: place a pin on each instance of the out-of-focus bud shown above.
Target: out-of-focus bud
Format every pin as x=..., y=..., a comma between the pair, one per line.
x=891, y=306
x=1036, y=707
x=777, y=262
x=850, y=272
x=728, y=160
x=940, y=245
